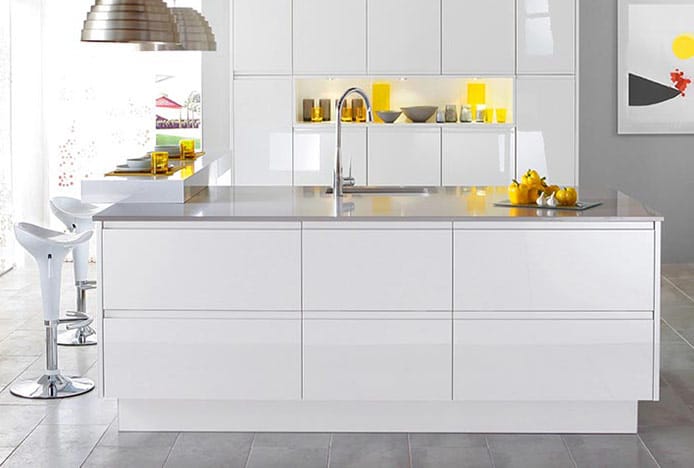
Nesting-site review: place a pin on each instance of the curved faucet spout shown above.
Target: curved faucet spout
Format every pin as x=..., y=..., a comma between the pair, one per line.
x=338, y=179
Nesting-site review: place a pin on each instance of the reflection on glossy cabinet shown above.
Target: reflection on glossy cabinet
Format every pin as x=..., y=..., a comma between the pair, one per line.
x=329, y=36
x=485, y=157
x=546, y=36
x=478, y=36
x=404, y=36
x=546, y=126
x=263, y=131
x=404, y=156
x=549, y=360
x=262, y=36
x=375, y=360
x=314, y=155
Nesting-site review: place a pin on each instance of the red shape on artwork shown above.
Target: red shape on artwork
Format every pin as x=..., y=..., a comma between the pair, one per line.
x=680, y=81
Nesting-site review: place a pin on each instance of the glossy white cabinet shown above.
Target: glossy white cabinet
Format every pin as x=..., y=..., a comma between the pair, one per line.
x=549, y=269
x=404, y=156
x=482, y=157
x=262, y=36
x=553, y=360
x=329, y=37
x=387, y=360
x=404, y=36
x=243, y=359
x=546, y=36
x=478, y=36
x=314, y=155
x=202, y=269
x=546, y=127
x=263, y=131
x=392, y=269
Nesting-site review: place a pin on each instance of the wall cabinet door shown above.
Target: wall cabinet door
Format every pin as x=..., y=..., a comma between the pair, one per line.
x=329, y=37
x=202, y=359
x=545, y=360
x=404, y=36
x=407, y=156
x=388, y=269
x=263, y=131
x=546, y=36
x=262, y=36
x=485, y=157
x=388, y=360
x=546, y=126
x=314, y=155
x=478, y=36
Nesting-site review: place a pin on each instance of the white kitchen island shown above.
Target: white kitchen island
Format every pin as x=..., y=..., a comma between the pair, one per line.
x=276, y=309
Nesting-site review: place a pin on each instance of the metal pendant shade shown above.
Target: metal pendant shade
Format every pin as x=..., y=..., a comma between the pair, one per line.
x=194, y=32
x=130, y=21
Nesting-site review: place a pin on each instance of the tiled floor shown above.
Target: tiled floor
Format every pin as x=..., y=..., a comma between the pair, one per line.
x=82, y=432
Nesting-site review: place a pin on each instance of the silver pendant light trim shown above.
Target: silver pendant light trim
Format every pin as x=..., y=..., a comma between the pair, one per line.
x=194, y=32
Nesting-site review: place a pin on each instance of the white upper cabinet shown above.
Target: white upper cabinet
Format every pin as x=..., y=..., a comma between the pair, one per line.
x=478, y=36
x=546, y=119
x=481, y=157
x=404, y=156
x=314, y=155
x=263, y=131
x=263, y=36
x=546, y=36
x=404, y=37
x=329, y=37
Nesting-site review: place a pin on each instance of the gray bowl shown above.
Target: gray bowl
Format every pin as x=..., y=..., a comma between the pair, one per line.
x=173, y=150
x=389, y=116
x=419, y=114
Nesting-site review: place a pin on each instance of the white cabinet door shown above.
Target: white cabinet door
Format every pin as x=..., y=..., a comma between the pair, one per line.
x=263, y=36
x=375, y=360
x=206, y=269
x=546, y=360
x=478, y=36
x=546, y=138
x=314, y=155
x=484, y=157
x=404, y=36
x=263, y=131
x=407, y=156
x=329, y=37
x=387, y=269
x=202, y=359
x=546, y=36
x=554, y=270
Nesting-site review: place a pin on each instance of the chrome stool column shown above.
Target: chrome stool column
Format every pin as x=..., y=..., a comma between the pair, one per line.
x=77, y=217
x=49, y=249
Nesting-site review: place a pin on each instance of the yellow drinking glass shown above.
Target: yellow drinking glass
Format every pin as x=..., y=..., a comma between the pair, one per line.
x=346, y=114
x=316, y=114
x=489, y=115
x=501, y=115
x=160, y=162
x=187, y=148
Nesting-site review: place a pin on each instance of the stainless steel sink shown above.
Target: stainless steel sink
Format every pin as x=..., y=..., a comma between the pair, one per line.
x=384, y=190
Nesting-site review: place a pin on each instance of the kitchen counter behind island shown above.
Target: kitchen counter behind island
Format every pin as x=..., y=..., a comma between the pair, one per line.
x=282, y=309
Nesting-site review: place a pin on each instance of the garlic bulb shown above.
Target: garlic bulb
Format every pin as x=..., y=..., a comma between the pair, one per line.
x=551, y=201
x=541, y=200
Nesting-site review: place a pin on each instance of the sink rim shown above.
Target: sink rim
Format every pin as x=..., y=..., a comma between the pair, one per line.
x=384, y=190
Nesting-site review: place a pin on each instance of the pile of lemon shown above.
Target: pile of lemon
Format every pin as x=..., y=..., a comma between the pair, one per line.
x=534, y=190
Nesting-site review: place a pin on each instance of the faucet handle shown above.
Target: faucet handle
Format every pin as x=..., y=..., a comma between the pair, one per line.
x=349, y=180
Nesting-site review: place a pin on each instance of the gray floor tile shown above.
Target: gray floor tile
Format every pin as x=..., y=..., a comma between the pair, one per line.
x=24, y=343
x=677, y=357
x=273, y=457
x=114, y=438
x=127, y=457
x=670, y=410
x=672, y=447
x=537, y=451
x=682, y=382
x=4, y=453
x=451, y=457
x=292, y=440
x=670, y=296
x=422, y=440
x=12, y=367
x=86, y=409
x=668, y=335
x=678, y=270
x=370, y=440
x=210, y=450
x=16, y=422
x=609, y=451
x=56, y=447
x=686, y=285
x=371, y=457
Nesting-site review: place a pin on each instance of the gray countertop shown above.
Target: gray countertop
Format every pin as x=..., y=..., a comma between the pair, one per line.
x=313, y=204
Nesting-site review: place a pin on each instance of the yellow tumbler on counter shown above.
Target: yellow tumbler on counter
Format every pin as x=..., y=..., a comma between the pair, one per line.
x=187, y=148
x=381, y=99
x=160, y=162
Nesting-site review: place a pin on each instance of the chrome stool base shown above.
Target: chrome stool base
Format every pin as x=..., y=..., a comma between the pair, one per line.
x=85, y=336
x=49, y=387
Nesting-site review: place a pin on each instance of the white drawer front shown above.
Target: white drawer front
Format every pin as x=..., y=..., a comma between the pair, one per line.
x=377, y=269
x=202, y=359
x=545, y=360
x=377, y=359
x=554, y=270
x=202, y=269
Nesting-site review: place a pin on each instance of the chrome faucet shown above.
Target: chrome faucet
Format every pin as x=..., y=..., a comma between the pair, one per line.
x=338, y=180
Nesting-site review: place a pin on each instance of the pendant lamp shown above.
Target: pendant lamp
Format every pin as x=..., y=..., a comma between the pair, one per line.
x=194, y=32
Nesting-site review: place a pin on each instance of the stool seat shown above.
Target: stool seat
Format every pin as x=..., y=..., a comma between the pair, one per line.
x=73, y=212
x=36, y=239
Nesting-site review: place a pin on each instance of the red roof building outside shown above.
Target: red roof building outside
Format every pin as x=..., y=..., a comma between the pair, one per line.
x=163, y=101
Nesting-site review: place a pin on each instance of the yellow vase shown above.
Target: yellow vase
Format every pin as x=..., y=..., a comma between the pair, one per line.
x=476, y=93
x=381, y=99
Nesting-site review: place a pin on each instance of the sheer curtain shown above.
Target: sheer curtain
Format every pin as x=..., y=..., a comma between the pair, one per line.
x=6, y=242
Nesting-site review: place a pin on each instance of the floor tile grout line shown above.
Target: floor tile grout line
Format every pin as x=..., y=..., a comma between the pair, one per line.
x=568, y=450
x=168, y=454
x=23, y=440
x=250, y=450
x=108, y=426
x=677, y=333
x=409, y=450
x=655, y=460
x=330, y=448
x=669, y=281
x=6, y=387
x=489, y=451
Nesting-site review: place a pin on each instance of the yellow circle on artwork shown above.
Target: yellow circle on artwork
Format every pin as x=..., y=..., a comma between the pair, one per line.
x=683, y=46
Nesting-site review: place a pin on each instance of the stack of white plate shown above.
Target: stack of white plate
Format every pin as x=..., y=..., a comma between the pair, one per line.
x=173, y=150
x=142, y=164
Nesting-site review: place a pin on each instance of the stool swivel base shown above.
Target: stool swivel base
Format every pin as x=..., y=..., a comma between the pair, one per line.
x=80, y=333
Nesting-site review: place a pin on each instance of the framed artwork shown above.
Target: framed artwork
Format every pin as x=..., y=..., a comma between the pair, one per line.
x=656, y=66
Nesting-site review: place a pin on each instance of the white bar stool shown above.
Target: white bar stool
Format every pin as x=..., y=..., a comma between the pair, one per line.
x=49, y=249
x=77, y=217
